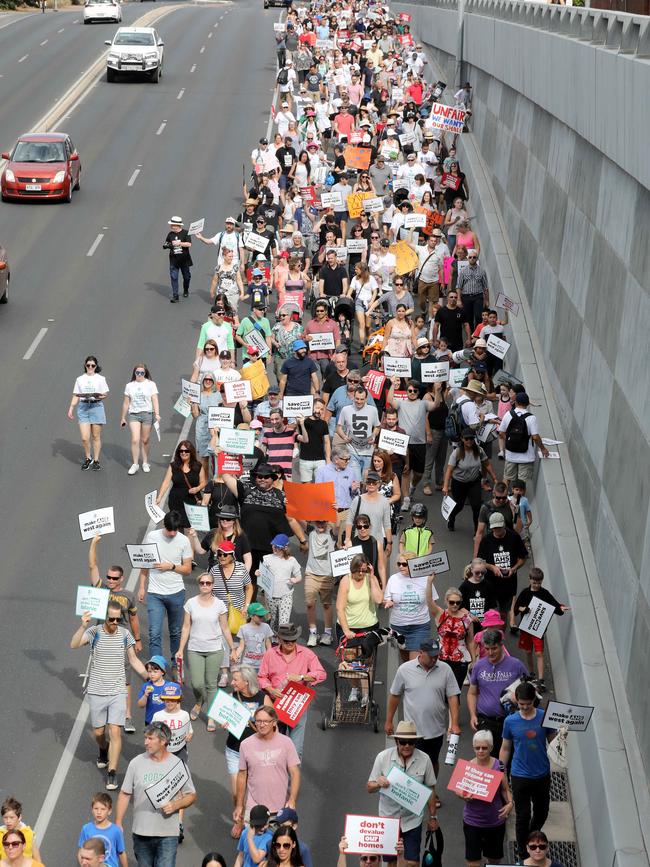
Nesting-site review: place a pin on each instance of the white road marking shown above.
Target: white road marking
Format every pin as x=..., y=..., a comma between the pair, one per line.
x=50, y=320
x=24, y=57
x=193, y=67
x=95, y=244
x=180, y=93
x=216, y=23
x=34, y=344
x=161, y=127
x=133, y=177
x=202, y=49
x=61, y=30
x=209, y=36
x=44, y=42
x=76, y=21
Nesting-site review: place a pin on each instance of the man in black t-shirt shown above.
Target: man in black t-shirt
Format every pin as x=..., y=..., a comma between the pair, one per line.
x=271, y=212
x=452, y=324
x=504, y=552
x=286, y=157
x=337, y=372
x=333, y=278
x=314, y=442
x=329, y=224
x=178, y=242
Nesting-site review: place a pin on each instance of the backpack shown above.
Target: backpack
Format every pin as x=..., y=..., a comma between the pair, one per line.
x=454, y=422
x=517, y=436
x=283, y=76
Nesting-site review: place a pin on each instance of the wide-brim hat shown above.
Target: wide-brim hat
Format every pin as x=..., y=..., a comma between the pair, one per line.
x=175, y=221
x=406, y=731
x=289, y=632
x=475, y=387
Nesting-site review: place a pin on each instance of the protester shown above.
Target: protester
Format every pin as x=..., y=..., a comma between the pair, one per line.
x=88, y=394
x=12, y=820
x=140, y=407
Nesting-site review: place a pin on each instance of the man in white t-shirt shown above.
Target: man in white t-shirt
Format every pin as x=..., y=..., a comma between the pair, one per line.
x=166, y=591
x=228, y=239
x=519, y=445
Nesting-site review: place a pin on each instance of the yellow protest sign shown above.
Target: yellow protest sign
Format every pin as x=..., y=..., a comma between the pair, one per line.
x=406, y=259
x=355, y=204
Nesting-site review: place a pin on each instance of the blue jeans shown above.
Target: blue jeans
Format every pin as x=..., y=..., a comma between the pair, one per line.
x=173, y=276
x=155, y=851
x=362, y=462
x=297, y=733
x=157, y=606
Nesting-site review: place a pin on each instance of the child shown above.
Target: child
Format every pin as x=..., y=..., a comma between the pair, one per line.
x=418, y=538
x=253, y=845
x=442, y=351
x=12, y=812
x=527, y=642
x=285, y=570
x=150, y=692
x=420, y=325
x=505, y=405
x=491, y=620
x=523, y=514
x=254, y=638
x=180, y=726
x=111, y=835
x=319, y=582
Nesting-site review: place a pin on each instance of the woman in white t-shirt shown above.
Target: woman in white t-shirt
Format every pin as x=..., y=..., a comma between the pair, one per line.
x=409, y=613
x=205, y=629
x=140, y=408
x=88, y=395
x=364, y=288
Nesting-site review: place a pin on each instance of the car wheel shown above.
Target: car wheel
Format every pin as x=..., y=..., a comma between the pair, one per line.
x=77, y=186
x=85, y=22
x=68, y=198
x=4, y=198
x=110, y=75
x=155, y=75
x=5, y=297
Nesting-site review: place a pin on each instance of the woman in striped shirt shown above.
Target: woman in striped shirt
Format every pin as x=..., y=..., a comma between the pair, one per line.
x=232, y=584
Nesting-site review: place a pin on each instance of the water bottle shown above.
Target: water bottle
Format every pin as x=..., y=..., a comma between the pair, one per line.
x=452, y=749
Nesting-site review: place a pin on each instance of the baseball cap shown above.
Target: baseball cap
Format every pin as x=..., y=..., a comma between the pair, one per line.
x=497, y=520
x=256, y=609
x=226, y=547
x=298, y=344
x=286, y=814
x=274, y=389
x=481, y=343
x=257, y=272
x=171, y=692
x=431, y=648
x=231, y=220
x=158, y=660
x=259, y=815
x=280, y=541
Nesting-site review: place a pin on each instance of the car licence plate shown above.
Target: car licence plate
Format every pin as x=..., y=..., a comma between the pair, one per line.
x=32, y=187
x=132, y=66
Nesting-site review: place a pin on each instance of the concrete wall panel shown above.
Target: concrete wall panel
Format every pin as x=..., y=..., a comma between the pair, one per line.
x=575, y=262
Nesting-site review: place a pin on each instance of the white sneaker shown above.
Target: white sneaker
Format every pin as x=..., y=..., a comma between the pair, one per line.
x=146, y=468
x=133, y=469
x=364, y=701
x=326, y=639
x=406, y=504
x=223, y=680
x=312, y=641
x=354, y=694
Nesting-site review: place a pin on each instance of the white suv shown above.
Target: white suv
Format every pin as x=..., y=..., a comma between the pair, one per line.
x=135, y=49
x=102, y=10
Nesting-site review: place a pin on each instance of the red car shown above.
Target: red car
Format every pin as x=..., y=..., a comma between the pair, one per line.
x=41, y=166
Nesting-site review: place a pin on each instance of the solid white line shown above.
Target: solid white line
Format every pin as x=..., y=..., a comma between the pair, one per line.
x=193, y=67
x=209, y=36
x=95, y=244
x=180, y=93
x=61, y=30
x=202, y=49
x=44, y=42
x=161, y=127
x=24, y=57
x=133, y=177
x=216, y=23
x=34, y=344
x=76, y=21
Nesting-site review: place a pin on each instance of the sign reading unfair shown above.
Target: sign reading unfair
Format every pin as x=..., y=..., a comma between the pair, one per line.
x=447, y=117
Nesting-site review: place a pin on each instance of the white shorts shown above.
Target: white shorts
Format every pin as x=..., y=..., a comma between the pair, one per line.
x=107, y=709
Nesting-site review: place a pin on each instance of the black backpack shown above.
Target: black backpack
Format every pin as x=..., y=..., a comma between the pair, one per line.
x=283, y=75
x=454, y=422
x=517, y=436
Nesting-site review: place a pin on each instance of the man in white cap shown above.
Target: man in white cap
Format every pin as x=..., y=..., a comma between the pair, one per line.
x=226, y=239
x=178, y=242
x=405, y=757
x=283, y=118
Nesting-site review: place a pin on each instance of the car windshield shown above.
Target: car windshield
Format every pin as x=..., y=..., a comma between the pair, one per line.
x=39, y=152
x=100, y=3
x=134, y=39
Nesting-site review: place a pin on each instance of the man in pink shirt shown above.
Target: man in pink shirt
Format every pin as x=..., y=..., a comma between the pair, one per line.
x=343, y=123
x=290, y=662
x=269, y=767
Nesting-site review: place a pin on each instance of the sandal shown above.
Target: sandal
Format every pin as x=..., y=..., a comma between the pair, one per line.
x=211, y=726
x=196, y=710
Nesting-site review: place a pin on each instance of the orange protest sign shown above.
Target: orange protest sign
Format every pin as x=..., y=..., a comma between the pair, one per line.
x=356, y=157
x=309, y=501
x=433, y=219
x=355, y=204
x=406, y=259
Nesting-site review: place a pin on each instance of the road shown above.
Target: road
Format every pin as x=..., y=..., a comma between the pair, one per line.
x=188, y=137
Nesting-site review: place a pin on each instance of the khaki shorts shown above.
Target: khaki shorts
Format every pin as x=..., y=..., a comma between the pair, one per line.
x=341, y=521
x=513, y=471
x=321, y=586
x=430, y=291
x=106, y=709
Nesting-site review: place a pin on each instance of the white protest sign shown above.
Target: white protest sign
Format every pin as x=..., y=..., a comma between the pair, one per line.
x=154, y=511
x=340, y=560
x=373, y=205
x=406, y=791
x=415, y=221
x=191, y=391
x=406, y=138
x=331, y=200
x=265, y=580
x=341, y=254
x=552, y=456
x=99, y=522
x=393, y=441
x=538, y=617
x=402, y=184
x=297, y=405
x=256, y=338
x=321, y=342
x=198, y=517
x=93, y=601
x=256, y=242
x=433, y=563
x=549, y=442
x=575, y=717
x=457, y=375
x=506, y=303
x=143, y=556
x=221, y=416
x=446, y=117
x=356, y=245
x=435, y=371
x=397, y=366
x=237, y=442
x=497, y=346
x=163, y=791
x=156, y=427
x=196, y=226
x=447, y=507
x=182, y=406
x=178, y=737
x=239, y=389
x=227, y=711
x=279, y=26
x=373, y=834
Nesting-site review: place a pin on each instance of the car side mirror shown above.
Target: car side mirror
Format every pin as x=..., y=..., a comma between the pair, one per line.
x=6, y=155
x=107, y=42
x=74, y=155
x=3, y=265
x=160, y=43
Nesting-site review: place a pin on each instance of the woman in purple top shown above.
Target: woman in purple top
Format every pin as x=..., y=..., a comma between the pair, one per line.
x=484, y=823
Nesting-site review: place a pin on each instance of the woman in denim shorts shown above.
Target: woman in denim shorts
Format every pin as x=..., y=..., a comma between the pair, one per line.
x=88, y=395
x=140, y=407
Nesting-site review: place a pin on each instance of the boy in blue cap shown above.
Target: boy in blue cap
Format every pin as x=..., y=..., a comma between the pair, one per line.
x=150, y=697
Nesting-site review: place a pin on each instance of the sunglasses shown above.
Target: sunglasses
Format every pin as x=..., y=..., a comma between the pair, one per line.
x=472, y=258
x=91, y=365
x=113, y=577
x=402, y=563
x=13, y=844
x=374, y=237
x=205, y=583
x=371, y=858
x=210, y=349
x=113, y=619
x=533, y=846
x=398, y=284
x=139, y=372
x=222, y=555
x=404, y=742
x=183, y=451
x=283, y=845
x=207, y=379
x=363, y=526
x=411, y=390
x=453, y=602
x=500, y=497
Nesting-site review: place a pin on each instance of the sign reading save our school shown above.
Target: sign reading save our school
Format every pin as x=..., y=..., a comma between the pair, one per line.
x=447, y=117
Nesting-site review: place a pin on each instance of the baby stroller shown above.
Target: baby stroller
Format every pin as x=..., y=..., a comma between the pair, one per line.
x=343, y=314
x=374, y=345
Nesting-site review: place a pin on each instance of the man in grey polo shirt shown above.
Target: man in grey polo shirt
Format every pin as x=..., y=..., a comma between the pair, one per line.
x=424, y=683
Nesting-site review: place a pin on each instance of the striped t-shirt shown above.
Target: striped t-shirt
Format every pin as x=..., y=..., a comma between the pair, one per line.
x=108, y=667
x=279, y=447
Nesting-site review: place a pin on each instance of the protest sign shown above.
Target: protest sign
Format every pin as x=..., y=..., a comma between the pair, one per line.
x=506, y=303
x=406, y=259
x=226, y=710
x=373, y=205
x=406, y=791
x=406, y=138
x=447, y=117
x=438, y=89
x=93, y=601
x=575, y=717
x=389, y=150
x=256, y=242
x=538, y=617
x=393, y=441
x=496, y=346
x=297, y=405
x=239, y=389
x=143, y=556
x=415, y=221
x=447, y=507
x=355, y=204
x=165, y=789
x=196, y=227
x=198, y=517
x=457, y=375
x=405, y=17
x=374, y=382
x=191, y=391
x=552, y=456
x=265, y=580
x=331, y=200
x=310, y=501
x=480, y=783
x=434, y=371
x=231, y=464
x=397, y=366
x=237, y=442
x=294, y=701
x=356, y=245
x=434, y=219
x=178, y=736
x=297, y=298
x=221, y=416
x=356, y=157
x=321, y=342
x=156, y=427
x=340, y=560
x=256, y=339
x=434, y=563
x=308, y=195
x=154, y=511
x=99, y=522
x=279, y=26
x=182, y=406
x=373, y=834
x=402, y=184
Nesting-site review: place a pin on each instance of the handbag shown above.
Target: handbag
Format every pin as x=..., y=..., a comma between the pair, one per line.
x=557, y=751
x=236, y=618
x=434, y=846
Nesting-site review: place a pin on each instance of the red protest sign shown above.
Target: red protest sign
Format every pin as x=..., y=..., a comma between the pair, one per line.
x=310, y=501
x=308, y=195
x=405, y=16
x=294, y=701
x=374, y=381
x=480, y=783
x=231, y=464
x=297, y=298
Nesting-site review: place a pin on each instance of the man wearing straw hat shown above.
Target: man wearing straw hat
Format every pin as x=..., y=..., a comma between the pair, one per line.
x=178, y=242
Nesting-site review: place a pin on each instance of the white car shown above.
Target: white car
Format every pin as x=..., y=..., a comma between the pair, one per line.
x=133, y=50
x=102, y=10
